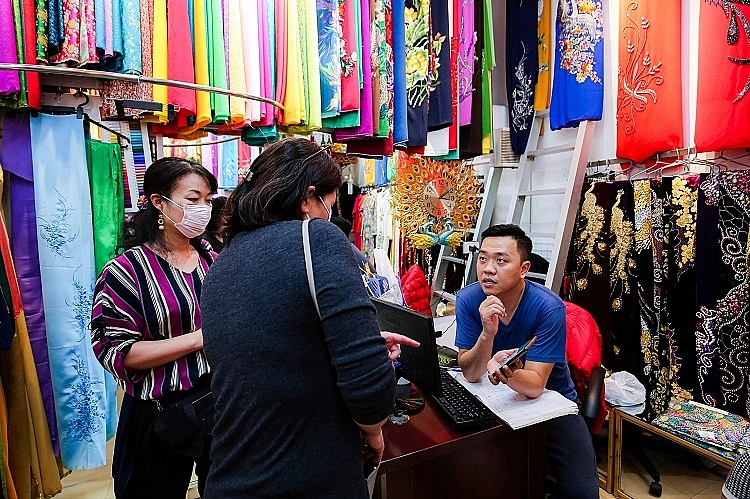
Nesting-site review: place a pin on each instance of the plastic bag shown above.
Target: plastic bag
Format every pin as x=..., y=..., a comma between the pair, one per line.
x=623, y=389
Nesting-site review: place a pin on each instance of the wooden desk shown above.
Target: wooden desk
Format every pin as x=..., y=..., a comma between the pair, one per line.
x=425, y=458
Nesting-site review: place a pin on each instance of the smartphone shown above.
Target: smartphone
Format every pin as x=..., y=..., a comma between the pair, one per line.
x=519, y=353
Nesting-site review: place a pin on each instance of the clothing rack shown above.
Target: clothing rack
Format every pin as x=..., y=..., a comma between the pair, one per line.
x=106, y=75
x=666, y=154
x=199, y=144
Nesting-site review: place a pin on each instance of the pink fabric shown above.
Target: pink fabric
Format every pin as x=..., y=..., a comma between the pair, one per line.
x=79, y=35
x=9, y=82
x=267, y=110
x=109, y=50
x=281, y=55
x=466, y=61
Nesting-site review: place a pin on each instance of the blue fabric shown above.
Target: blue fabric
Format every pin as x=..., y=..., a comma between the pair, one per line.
x=381, y=171
x=228, y=164
x=578, y=87
x=66, y=258
x=131, y=36
x=540, y=313
x=117, y=27
x=99, y=18
x=400, y=125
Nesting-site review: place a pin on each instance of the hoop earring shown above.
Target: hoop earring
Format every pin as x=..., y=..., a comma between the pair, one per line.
x=160, y=221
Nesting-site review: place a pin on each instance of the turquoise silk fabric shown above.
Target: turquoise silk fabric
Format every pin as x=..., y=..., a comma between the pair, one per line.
x=84, y=399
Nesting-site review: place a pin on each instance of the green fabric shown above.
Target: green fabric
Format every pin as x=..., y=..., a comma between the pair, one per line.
x=217, y=72
x=41, y=29
x=344, y=120
x=488, y=62
x=107, y=199
x=260, y=136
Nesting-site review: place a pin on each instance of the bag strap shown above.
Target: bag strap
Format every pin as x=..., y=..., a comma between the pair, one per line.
x=308, y=262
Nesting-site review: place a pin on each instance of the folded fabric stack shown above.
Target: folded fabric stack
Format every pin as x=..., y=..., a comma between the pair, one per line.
x=721, y=432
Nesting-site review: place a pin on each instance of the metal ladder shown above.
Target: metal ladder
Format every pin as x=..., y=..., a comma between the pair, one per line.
x=571, y=192
x=564, y=230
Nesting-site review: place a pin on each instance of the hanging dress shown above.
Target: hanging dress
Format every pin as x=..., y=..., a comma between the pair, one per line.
x=578, y=87
x=439, y=115
x=66, y=257
x=521, y=70
x=466, y=61
x=400, y=123
x=543, y=87
x=15, y=156
x=417, y=19
x=649, y=86
x=722, y=105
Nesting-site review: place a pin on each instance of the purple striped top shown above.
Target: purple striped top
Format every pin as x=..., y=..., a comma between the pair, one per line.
x=139, y=296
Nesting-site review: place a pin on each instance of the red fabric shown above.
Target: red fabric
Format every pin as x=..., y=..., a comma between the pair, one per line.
x=721, y=123
x=29, y=41
x=416, y=291
x=583, y=352
x=649, y=87
x=180, y=45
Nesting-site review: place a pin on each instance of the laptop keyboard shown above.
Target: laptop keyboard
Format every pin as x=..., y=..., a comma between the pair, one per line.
x=462, y=408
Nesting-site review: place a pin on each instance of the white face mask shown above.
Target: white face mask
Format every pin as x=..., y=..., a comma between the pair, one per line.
x=195, y=218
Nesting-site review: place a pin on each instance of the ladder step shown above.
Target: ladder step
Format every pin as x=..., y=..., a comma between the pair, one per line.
x=541, y=192
x=547, y=235
x=453, y=259
x=445, y=296
x=536, y=274
x=546, y=151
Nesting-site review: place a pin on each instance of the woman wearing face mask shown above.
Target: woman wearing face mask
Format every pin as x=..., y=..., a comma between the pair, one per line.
x=146, y=328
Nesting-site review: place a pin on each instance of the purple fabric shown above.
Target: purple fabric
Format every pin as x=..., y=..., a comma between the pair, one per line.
x=466, y=61
x=9, y=82
x=15, y=157
x=365, y=129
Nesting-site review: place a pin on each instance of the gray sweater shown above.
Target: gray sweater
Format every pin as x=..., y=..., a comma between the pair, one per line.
x=288, y=385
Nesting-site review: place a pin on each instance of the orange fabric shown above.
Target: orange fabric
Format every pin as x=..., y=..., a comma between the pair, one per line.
x=649, y=87
x=583, y=351
x=722, y=108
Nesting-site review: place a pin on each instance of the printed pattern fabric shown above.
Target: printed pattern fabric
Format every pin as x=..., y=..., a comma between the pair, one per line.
x=66, y=258
x=522, y=69
x=578, y=90
x=649, y=86
x=633, y=266
x=705, y=424
x=440, y=111
x=417, y=19
x=723, y=317
x=78, y=33
x=330, y=63
x=723, y=81
x=589, y=261
x=468, y=39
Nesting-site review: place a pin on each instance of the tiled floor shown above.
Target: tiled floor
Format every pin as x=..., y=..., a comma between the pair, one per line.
x=678, y=480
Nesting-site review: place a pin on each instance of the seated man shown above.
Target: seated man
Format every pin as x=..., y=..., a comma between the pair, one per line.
x=502, y=311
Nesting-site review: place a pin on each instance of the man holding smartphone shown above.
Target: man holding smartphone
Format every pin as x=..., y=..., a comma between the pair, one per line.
x=501, y=312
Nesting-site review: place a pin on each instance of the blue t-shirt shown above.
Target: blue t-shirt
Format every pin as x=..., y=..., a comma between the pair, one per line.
x=540, y=312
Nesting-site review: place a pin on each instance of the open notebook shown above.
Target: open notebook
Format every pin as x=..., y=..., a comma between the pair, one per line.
x=516, y=410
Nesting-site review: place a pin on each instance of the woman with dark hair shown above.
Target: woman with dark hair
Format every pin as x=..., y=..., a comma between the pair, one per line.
x=146, y=329
x=298, y=391
x=214, y=229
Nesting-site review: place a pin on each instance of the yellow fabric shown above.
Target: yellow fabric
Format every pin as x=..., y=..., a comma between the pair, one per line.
x=200, y=48
x=314, y=118
x=161, y=57
x=369, y=171
x=11, y=488
x=236, y=64
x=542, y=90
x=294, y=101
x=43, y=462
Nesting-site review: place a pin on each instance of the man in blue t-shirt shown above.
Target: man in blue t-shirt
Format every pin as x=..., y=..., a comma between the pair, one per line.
x=501, y=312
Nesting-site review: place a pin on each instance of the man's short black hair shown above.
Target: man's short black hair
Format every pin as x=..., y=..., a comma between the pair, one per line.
x=523, y=242
x=343, y=224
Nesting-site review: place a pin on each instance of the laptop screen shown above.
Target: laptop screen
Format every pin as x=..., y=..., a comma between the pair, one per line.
x=418, y=365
